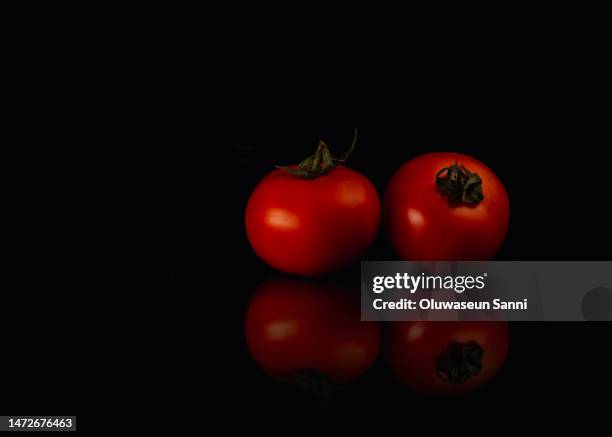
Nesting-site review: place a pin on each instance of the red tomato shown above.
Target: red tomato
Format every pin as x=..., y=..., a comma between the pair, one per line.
x=294, y=327
x=312, y=226
x=446, y=358
x=431, y=216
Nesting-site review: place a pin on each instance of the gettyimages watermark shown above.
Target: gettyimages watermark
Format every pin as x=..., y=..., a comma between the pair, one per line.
x=487, y=290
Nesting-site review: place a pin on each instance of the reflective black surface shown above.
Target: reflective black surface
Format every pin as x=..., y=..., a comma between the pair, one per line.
x=536, y=127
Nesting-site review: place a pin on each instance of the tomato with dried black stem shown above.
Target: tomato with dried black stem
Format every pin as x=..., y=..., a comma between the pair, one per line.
x=313, y=218
x=445, y=206
x=309, y=333
x=446, y=358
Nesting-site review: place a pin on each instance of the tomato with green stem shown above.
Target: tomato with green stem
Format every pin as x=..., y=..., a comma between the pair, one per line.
x=313, y=218
x=445, y=206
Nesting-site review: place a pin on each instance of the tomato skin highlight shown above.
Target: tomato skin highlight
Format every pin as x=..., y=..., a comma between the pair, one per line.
x=312, y=226
x=423, y=225
x=294, y=326
x=414, y=348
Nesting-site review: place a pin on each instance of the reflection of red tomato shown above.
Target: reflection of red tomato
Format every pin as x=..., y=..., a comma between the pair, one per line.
x=442, y=216
x=295, y=327
x=447, y=357
x=312, y=226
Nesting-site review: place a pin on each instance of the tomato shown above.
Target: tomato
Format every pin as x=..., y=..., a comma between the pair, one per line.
x=447, y=358
x=314, y=223
x=436, y=210
x=295, y=328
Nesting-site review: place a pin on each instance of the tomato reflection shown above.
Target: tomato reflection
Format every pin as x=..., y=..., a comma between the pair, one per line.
x=297, y=326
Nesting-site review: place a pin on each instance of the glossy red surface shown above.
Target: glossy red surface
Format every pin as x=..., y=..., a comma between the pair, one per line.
x=313, y=226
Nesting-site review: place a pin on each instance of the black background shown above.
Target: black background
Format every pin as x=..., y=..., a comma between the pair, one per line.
x=537, y=124
x=118, y=131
